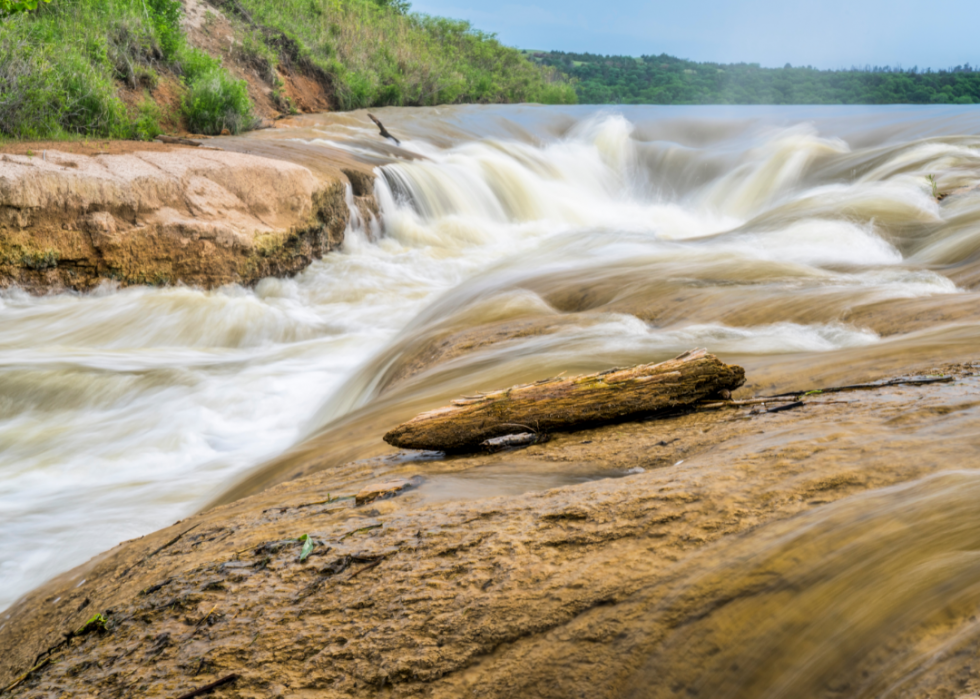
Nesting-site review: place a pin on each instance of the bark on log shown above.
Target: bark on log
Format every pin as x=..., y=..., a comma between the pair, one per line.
x=564, y=404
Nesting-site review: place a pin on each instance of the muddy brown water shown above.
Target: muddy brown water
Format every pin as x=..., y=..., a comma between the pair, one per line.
x=517, y=243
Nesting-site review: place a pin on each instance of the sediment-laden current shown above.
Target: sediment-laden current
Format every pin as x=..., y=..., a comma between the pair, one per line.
x=515, y=243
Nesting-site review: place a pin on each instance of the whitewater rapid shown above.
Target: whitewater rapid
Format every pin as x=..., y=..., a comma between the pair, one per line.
x=127, y=409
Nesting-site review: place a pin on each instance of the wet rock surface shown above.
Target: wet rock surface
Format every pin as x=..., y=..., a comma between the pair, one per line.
x=626, y=566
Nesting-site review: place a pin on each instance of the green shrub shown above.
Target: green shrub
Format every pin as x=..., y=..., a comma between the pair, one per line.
x=146, y=124
x=215, y=101
x=166, y=20
x=9, y=7
x=194, y=63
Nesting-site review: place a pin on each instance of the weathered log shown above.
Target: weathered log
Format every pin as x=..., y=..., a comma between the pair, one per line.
x=564, y=404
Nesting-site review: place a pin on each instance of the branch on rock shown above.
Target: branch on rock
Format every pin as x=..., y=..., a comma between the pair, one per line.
x=177, y=141
x=904, y=381
x=567, y=404
x=384, y=131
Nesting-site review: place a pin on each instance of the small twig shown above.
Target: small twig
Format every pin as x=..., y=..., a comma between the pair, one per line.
x=208, y=688
x=739, y=403
x=171, y=542
x=57, y=646
x=159, y=586
x=328, y=501
x=362, y=529
x=913, y=381
x=206, y=616
x=786, y=406
x=154, y=553
x=369, y=566
x=97, y=622
x=26, y=675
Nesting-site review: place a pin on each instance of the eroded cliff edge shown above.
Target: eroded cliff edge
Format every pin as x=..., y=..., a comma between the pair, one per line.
x=202, y=217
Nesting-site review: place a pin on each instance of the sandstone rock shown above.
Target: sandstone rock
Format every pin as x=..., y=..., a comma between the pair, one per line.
x=200, y=217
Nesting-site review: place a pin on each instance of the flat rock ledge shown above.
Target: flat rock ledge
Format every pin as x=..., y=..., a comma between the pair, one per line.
x=198, y=217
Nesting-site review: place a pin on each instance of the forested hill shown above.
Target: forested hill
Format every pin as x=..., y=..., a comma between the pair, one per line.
x=665, y=79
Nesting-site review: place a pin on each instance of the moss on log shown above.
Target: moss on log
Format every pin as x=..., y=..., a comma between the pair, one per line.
x=564, y=404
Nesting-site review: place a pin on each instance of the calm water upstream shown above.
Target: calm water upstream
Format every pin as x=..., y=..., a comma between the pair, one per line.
x=803, y=243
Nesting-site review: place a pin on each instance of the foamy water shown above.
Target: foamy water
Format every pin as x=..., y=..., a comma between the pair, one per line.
x=124, y=410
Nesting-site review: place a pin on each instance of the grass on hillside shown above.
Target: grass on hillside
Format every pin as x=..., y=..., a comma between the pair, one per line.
x=63, y=64
x=61, y=67
x=378, y=54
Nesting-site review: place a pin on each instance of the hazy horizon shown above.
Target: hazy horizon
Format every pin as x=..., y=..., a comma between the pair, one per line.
x=839, y=34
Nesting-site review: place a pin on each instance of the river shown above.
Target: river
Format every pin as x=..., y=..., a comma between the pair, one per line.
x=803, y=242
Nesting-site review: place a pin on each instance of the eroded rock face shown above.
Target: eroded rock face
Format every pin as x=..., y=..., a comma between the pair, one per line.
x=199, y=217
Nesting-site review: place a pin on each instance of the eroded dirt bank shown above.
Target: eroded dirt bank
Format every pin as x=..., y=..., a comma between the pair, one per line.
x=163, y=215
x=620, y=582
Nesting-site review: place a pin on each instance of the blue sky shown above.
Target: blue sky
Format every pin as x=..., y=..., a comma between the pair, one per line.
x=822, y=33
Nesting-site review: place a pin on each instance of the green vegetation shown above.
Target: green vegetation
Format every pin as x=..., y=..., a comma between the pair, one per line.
x=65, y=67
x=62, y=65
x=376, y=53
x=668, y=80
x=9, y=7
x=214, y=100
x=29, y=257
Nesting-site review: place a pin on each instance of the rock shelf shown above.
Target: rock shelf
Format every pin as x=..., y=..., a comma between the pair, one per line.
x=196, y=216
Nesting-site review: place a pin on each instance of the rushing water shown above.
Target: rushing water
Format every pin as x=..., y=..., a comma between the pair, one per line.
x=585, y=238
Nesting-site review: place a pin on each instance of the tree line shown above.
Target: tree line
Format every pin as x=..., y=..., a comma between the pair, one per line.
x=666, y=79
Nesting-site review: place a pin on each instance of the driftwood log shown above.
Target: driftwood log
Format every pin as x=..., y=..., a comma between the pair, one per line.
x=565, y=404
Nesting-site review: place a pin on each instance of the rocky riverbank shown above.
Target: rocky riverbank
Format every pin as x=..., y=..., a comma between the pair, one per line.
x=164, y=215
x=590, y=588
